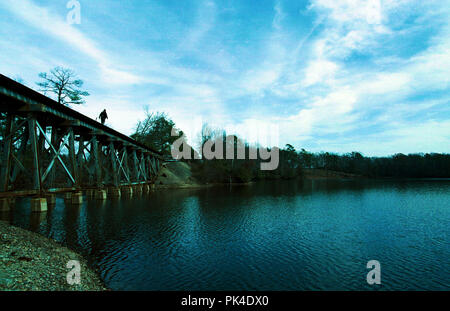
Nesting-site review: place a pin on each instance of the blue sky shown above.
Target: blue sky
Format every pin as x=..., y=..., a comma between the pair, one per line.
x=366, y=75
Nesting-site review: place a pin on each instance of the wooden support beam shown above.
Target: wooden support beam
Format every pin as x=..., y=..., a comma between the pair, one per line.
x=125, y=164
x=95, y=156
x=153, y=164
x=56, y=156
x=135, y=166
x=122, y=167
x=80, y=158
x=41, y=142
x=37, y=185
x=142, y=167
x=20, y=165
x=55, y=141
x=158, y=166
x=6, y=159
x=72, y=158
x=114, y=173
x=21, y=154
x=149, y=168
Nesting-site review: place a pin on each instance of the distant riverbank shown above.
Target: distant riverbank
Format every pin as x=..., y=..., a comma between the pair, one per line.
x=314, y=173
x=179, y=175
x=29, y=261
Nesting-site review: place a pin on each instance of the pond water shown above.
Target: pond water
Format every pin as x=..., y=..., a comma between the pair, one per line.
x=278, y=235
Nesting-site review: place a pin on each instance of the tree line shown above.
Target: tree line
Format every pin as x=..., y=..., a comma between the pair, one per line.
x=156, y=130
x=417, y=165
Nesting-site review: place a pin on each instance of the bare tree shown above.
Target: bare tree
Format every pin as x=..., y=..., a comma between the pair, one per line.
x=63, y=83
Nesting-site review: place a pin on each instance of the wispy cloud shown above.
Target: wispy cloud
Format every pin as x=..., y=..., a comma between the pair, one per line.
x=56, y=26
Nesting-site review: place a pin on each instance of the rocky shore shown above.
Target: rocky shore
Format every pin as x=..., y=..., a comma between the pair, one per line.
x=29, y=261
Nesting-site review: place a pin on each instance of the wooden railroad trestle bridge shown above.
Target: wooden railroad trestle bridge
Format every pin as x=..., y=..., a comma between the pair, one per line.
x=49, y=148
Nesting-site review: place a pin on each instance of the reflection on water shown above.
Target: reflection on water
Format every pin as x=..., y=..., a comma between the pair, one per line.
x=265, y=236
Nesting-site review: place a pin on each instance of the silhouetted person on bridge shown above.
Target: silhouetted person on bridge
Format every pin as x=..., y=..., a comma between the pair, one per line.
x=103, y=116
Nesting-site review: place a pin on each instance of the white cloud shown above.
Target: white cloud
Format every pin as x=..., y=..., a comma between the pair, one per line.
x=385, y=83
x=344, y=11
x=43, y=19
x=319, y=70
x=260, y=79
x=326, y=115
x=279, y=16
